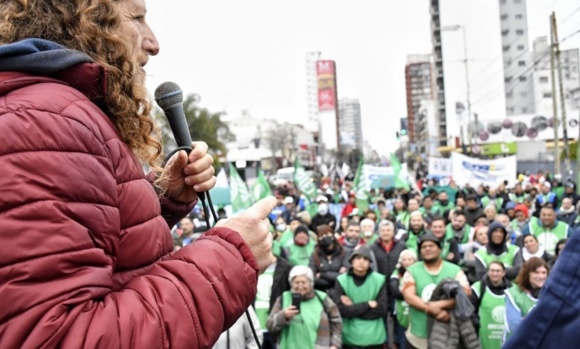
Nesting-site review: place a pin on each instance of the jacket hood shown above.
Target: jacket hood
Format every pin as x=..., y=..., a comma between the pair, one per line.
x=33, y=61
x=39, y=57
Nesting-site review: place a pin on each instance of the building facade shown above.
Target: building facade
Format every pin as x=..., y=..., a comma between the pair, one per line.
x=439, y=91
x=419, y=87
x=350, y=123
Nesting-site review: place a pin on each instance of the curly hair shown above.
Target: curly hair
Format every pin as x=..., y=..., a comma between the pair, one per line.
x=532, y=264
x=90, y=26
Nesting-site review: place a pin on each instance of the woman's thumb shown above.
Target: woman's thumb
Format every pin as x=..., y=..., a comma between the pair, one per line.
x=175, y=165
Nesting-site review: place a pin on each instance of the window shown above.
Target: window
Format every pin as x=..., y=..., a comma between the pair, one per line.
x=508, y=79
x=509, y=94
x=543, y=79
x=522, y=78
x=524, y=110
x=547, y=95
x=503, y=17
x=519, y=16
x=502, y=2
x=506, y=48
x=521, y=63
x=520, y=47
x=519, y=32
x=505, y=32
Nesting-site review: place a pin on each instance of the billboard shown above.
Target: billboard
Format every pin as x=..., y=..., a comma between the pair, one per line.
x=326, y=77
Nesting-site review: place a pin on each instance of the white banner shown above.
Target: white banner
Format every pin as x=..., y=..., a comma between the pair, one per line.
x=486, y=172
x=381, y=177
x=440, y=167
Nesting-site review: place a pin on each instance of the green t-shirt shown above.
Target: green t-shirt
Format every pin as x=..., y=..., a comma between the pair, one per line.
x=425, y=283
x=303, y=328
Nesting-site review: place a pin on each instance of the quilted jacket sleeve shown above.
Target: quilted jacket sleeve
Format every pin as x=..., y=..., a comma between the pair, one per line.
x=59, y=237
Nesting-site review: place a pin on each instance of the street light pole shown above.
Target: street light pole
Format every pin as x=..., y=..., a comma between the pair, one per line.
x=465, y=61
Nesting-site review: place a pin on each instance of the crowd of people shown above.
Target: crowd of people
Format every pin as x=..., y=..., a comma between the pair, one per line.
x=371, y=279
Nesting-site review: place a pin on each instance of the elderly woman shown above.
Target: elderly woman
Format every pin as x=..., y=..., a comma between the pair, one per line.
x=523, y=296
x=315, y=325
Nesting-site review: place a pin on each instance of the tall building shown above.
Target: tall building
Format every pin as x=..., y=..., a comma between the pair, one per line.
x=419, y=86
x=517, y=59
x=312, y=90
x=542, y=76
x=350, y=123
x=439, y=73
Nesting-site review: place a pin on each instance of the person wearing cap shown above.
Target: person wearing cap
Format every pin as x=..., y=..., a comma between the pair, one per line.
x=510, y=208
x=323, y=215
x=517, y=195
x=497, y=249
x=290, y=211
x=546, y=196
x=301, y=248
x=361, y=296
x=417, y=286
x=317, y=324
x=520, y=221
x=567, y=212
x=570, y=192
x=547, y=229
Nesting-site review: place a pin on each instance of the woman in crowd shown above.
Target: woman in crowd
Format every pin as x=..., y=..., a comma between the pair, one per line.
x=523, y=296
x=406, y=259
x=316, y=324
x=488, y=298
x=480, y=240
x=342, y=226
x=301, y=248
x=490, y=213
x=559, y=247
x=400, y=212
x=532, y=248
x=328, y=259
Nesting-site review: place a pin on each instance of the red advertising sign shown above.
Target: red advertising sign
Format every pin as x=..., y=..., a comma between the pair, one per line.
x=326, y=75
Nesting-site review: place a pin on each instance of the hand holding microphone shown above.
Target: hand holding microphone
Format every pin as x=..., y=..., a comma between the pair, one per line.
x=190, y=174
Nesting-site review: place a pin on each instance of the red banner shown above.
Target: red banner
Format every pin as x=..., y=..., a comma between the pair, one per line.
x=326, y=76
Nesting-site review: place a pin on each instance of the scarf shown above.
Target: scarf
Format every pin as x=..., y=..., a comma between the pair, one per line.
x=527, y=255
x=567, y=211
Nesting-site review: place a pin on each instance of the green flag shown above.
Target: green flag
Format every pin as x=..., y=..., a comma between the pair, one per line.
x=400, y=180
x=240, y=195
x=303, y=182
x=261, y=188
x=360, y=188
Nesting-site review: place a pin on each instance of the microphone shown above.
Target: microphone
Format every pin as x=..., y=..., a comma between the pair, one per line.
x=169, y=97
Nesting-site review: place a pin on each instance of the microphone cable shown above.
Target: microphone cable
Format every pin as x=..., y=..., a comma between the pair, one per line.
x=202, y=197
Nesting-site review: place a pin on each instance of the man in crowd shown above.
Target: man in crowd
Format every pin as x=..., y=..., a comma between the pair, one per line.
x=570, y=192
x=361, y=296
x=473, y=210
x=301, y=248
x=367, y=228
x=428, y=210
x=290, y=211
x=459, y=229
x=518, y=194
x=443, y=205
x=493, y=199
x=417, y=287
x=567, y=212
x=449, y=246
x=546, y=196
x=187, y=233
x=415, y=232
x=547, y=229
x=351, y=238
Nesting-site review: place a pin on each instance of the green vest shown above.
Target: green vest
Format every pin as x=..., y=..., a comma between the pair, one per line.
x=303, y=328
x=507, y=258
x=413, y=240
x=357, y=331
x=548, y=238
x=404, y=218
x=491, y=317
x=442, y=209
x=262, y=304
x=276, y=248
x=521, y=300
x=286, y=238
x=445, y=247
x=498, y=201
x=519, y=199
x=300, y=255
x=425, y=283
x=402, y=307
x=450, y=234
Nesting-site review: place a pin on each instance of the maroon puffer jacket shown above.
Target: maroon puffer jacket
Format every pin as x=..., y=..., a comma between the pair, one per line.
x=85, y=252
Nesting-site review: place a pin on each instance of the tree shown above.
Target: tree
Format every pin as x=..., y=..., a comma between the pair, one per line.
x=281, y=138
x=203, y=126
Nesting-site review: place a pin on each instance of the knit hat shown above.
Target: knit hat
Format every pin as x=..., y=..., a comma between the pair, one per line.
x=301, y=229
x=429, y=237
x=363, y=251
x=523, y=209
x=301, y=270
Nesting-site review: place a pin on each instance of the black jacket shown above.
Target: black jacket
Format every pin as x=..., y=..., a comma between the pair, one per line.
x=328, y=269
x=328, y=219
x=280, y=282
x=385, y=263
x=472, y=215
x=361, y=310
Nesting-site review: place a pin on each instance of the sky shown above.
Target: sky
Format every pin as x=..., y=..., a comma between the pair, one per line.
x=250, y=54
